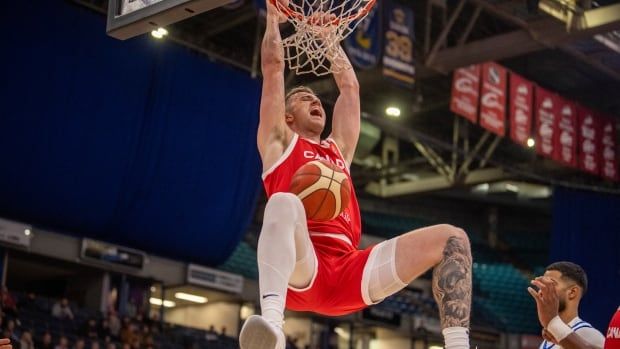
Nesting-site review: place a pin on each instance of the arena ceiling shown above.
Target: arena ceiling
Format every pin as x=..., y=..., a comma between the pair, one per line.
x=428, y=149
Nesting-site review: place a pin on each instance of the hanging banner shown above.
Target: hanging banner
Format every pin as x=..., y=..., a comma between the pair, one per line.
x=398, y=63
x=520, y=108
x=589, y=133
x=546, y=121
x=565, y=144
x=609, y=166
x=493, y=98
x=363, y=46
x=465, y=92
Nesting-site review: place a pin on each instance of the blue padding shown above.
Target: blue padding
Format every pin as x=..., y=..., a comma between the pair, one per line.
x=586, y=231
x=141, y=142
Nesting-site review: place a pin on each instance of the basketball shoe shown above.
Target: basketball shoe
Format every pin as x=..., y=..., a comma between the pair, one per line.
x=258, y=333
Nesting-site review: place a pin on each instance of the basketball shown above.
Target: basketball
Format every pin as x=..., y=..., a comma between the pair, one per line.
x=323, y=188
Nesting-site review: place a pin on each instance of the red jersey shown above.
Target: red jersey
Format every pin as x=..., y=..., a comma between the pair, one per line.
x=299, y=152
x=612, y=339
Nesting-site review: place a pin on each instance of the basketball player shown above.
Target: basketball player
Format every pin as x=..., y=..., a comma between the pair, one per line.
x=316, y=266
x=557, y=301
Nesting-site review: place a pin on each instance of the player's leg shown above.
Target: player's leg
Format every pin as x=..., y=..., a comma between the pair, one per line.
x=285, y=257
x=395, y=263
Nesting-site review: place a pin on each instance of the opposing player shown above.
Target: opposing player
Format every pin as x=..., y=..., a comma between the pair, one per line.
x=557, y=301
x=316, y=266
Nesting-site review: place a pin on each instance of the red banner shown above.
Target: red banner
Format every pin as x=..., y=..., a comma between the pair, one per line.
x=546, y=121
x=565, y=144
x=609, y=165
x=521, y=98
x=465, y=92
x=493, y=98
x=589, y=135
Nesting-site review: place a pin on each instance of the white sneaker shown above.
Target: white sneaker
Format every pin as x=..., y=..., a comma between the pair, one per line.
x=258, y=333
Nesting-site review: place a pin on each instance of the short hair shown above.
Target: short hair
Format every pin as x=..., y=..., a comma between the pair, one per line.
x=572, y=272
x=296, y=90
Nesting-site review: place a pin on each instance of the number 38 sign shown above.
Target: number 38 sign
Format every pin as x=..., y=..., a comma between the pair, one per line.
x=398, y=61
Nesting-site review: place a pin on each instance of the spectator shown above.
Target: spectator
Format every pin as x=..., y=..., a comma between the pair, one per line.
x=79, y=344
x=211, y=335
x=26, y=340
x=29, y=302
x=61, y=310
x=128, y=332
x=46, y=342
x=115, y=326
x=90, y=329
x=111, y=346
x=63, y=343
x=94, y=345
x=223, y=331
x=9, y=305
x=126, y=346
x=9, y=332
x=104, y=328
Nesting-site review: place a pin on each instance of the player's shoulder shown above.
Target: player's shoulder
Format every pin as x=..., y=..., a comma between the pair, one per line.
x=589, y=333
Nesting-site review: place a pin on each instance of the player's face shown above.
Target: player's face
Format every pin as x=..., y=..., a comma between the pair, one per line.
x=562, y=287
x=307, y=111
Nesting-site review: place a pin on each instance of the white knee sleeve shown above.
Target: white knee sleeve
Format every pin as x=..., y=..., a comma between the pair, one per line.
x=380, y=279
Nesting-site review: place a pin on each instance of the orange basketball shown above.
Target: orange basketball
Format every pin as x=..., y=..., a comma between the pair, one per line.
x=323, y=188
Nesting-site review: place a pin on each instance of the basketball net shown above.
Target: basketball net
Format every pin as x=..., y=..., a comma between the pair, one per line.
x=320, y=26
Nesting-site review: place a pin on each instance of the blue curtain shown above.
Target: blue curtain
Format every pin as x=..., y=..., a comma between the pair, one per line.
x=586, y=231
x=140, y=142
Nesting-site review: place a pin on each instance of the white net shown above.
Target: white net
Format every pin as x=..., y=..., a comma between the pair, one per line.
x=320, y=26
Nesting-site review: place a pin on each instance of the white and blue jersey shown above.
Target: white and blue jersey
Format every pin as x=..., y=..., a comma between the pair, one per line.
x=584, y=330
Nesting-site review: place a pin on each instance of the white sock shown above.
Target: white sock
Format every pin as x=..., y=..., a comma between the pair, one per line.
x=456, y=337
x=276, y=256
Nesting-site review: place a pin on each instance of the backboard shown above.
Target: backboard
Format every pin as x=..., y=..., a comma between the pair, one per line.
x=129, y=18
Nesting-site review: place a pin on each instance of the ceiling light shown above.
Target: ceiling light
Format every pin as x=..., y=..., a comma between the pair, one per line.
x=153, y=289
x=531, y=142
x=190, y=297
x=511, y=187
x=159, y=33
x=27, y=232
x=392, y=111
x=157, y=301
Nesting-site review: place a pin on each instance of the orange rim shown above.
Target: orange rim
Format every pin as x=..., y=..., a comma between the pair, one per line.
x=287, y=11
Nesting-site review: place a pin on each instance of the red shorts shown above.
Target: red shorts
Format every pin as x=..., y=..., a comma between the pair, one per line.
x=337, y=285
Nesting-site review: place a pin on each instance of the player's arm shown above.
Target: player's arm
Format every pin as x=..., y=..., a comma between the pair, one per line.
x=547, y=307
x=346, y=120
x=271, y=135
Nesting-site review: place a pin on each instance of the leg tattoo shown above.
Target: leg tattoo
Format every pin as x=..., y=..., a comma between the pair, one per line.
x=452, y=283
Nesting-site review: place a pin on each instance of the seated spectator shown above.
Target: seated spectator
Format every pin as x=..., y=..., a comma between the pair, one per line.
x=63, y=343
x=128, y=332
x=104, y=329
x=111, y=346
x=90, y=329
x=115, y=326
x=46, y=342
x=26, y=341
x=29, y=302
x=79, y=344
x=223, y=332
x=126, y=346
x=11, y=333
x=62, y=310
x=93, y=345
x=9, y=305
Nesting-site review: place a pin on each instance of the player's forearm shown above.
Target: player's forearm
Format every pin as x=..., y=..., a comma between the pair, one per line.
x=574, y=341
x=346, y=78
x=272, y=53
